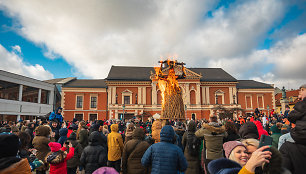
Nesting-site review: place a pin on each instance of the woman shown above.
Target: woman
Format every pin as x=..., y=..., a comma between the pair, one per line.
x=82, y=134
x=129, y=132
x=237, y=159
x=191, y=146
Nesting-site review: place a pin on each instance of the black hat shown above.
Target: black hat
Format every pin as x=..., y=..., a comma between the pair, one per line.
x=248, y=130
x=9, y=144
x=72, y=136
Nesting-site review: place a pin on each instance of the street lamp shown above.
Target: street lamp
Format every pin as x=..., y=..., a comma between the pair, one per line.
x=216, y=99
x=268, y=110
x=123, y=107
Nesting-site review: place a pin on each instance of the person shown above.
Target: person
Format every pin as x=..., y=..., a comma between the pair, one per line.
x=156, y=128
x=237, y=160
x=191, y=146
x=74, y=162
x=9, y=163
x=213, y=135
x=82, y=134
x=58, y=157
x=248, y=130
x=231, y=130
x=276, y=133
x=63, y=136
x=94, y=155
x=132, y=153
x=294, y=154
x=128, y=133
x=55, y=130
x=260, y=129
x=165, y=157
x=251, y=144
x=115, y=148
x=57, y=115
x=40, y=143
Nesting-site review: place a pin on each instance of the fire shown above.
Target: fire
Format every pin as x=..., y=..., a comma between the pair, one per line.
x=168, y=84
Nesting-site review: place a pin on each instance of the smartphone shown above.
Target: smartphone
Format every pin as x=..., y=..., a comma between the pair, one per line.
x=265, y=141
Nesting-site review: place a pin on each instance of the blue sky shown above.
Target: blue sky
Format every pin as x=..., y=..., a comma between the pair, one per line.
x=249, y=39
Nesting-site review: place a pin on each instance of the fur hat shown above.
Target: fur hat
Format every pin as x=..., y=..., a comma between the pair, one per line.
x=223, y=166
x=54, y=146
x=230, y=146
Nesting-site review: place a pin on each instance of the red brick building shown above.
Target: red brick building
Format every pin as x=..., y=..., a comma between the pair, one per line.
x=134, y=91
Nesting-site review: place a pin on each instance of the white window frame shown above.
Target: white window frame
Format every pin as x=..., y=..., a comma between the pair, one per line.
x=262, y=98
x=93, y=95
x=78, y=113
x=246, y=104
x=219, y=92
x=76, y=102
x=127, y=93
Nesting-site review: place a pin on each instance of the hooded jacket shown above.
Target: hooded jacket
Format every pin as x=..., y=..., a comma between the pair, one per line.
x=260, y=129
x=129, y=132
x=57, y=116
x=193, y=161
x=213, y=135
x=156, y=128
x=165, y=157
x=58, y=164
x=115, y=144
x=133, y=152
x=94, y=155
x=40, y=143
x=63, y=135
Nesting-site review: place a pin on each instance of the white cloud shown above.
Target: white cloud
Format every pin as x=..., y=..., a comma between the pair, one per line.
x=16, y=48
x=11, y=62
x=93, y=35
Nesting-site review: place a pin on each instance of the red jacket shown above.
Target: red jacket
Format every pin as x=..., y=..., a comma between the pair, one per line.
x=61, y=168
x=69, y=132
x=260, y=129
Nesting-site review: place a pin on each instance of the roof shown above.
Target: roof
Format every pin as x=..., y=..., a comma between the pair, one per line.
x=86, y=83
x=252, y=84
x=213, y=75
x=60, y=80
x=130, y=73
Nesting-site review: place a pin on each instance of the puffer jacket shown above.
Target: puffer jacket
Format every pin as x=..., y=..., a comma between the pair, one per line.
x=165, y=157
x=114, y=144
x=94, y=155
x=213, y=135
x=59, y=163
x=193, y=161
x=133, y=152
x=156, y=128
x=40, y=143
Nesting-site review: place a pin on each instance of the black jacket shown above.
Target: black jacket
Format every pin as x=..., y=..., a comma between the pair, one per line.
x=94, y=155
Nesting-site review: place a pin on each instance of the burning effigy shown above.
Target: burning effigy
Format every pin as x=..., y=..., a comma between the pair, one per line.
x=167, y=75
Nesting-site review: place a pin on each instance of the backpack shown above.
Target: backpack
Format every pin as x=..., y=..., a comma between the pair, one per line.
x=193, y=145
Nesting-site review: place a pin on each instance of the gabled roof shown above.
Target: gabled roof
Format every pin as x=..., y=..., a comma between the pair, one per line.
x=130, y=73
x=252, y=84
x=86, y=83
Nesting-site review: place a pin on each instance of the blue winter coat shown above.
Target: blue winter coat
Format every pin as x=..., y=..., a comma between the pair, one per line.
x=165, y=157
x=55, y=115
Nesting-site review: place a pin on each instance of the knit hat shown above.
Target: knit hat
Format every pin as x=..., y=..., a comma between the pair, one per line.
x=54, y=146
x=72, y=136
x=9, y=144
x=230, y=146
x=248, y=130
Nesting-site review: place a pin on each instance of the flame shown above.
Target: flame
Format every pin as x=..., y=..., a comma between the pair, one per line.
x=167, y=83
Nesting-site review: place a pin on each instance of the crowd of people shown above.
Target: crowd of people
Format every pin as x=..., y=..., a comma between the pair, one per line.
x=214, y=146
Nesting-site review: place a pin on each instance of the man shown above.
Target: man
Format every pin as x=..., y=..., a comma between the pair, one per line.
x=213, y=135
x=57, y=115
x=294, y=154
x=165, y=157
x=115, y=148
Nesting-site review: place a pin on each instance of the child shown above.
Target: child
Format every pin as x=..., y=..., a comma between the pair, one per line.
x=58, y=157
